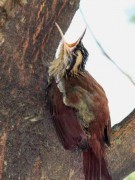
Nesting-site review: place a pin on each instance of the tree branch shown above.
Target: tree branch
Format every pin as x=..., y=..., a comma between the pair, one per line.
x=121, y=155
x=29, y=147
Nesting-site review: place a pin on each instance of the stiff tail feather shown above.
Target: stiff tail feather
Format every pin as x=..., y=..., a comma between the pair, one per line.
x=95, y=166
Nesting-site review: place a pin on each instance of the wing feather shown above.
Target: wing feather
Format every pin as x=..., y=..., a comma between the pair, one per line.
x=64, y=119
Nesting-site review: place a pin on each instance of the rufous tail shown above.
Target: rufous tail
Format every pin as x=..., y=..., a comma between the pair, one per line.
x=95, y=166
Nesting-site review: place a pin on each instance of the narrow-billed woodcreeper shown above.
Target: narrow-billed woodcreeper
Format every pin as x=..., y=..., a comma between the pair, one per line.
x=79, y=108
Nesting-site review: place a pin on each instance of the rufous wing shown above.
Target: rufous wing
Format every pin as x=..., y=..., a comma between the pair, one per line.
x=64, y=118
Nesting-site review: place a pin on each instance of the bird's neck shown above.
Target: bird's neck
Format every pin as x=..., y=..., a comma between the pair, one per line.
x=57, y=67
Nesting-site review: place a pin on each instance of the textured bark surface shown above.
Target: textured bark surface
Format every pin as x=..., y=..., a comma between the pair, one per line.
x=29, y=147
x=121, y=155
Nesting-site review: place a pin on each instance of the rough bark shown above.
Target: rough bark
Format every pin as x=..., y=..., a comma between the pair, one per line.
x=121, y=155
x=29, y=147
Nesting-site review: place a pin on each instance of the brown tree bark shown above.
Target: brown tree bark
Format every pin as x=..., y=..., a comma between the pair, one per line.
x=29, y=146
x=121, y=155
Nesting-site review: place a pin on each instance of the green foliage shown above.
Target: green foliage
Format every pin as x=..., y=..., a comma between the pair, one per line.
x=131, y=176
x=133, y=18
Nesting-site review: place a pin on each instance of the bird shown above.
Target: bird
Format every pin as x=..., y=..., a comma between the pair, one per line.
x=79, y=108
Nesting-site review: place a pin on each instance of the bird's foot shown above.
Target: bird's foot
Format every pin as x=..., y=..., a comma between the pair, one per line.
x=83, y=144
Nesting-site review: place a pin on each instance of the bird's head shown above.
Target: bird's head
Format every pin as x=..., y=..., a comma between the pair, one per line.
x=72, y=57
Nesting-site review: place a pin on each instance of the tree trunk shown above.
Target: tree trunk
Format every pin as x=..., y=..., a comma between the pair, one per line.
x=29, y=146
